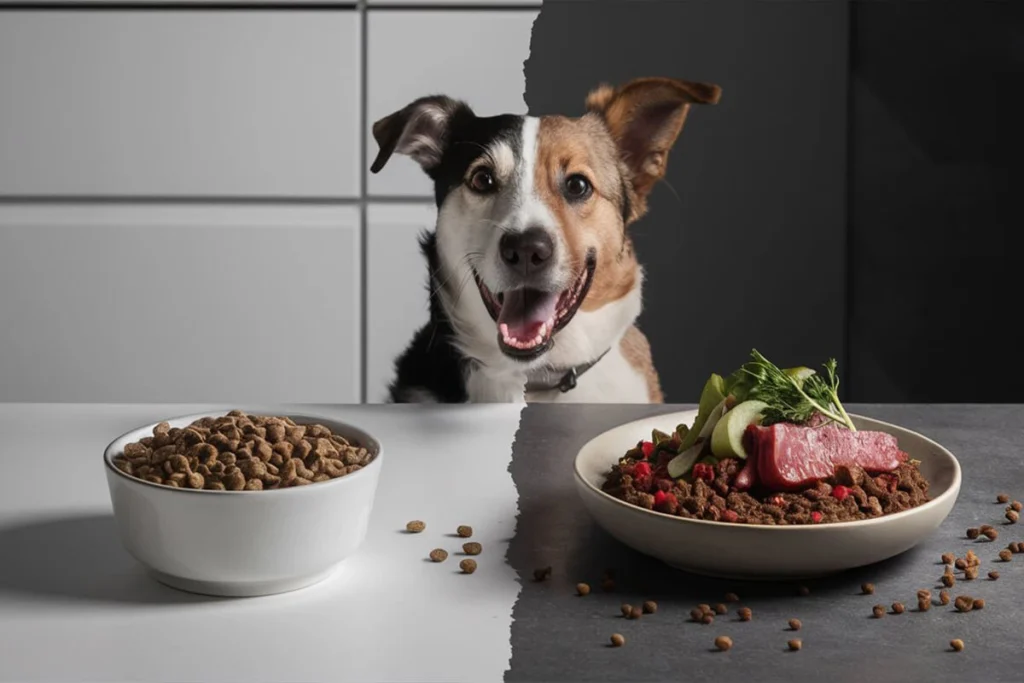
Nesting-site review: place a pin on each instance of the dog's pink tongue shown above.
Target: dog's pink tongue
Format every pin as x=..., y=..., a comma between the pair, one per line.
x=525, y=310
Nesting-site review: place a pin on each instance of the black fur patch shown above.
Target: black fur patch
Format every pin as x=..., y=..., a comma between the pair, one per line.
x=467, y=139
x=431, y=364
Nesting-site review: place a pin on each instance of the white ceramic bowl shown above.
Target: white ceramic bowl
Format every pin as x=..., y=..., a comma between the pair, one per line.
x=743, y=551
x=243, y=543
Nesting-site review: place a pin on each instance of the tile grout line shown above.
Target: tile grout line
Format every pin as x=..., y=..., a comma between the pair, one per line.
x=364, y=208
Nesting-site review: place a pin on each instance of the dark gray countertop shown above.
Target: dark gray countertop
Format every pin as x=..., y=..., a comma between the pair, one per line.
x=557, y=636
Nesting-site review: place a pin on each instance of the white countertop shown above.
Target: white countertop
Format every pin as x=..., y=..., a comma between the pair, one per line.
x=75, y=607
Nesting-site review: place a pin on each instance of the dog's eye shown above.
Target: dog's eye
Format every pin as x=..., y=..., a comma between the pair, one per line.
x=577, y=187
x=482, y=181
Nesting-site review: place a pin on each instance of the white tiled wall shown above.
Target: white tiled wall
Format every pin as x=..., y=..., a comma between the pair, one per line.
x=185, y=208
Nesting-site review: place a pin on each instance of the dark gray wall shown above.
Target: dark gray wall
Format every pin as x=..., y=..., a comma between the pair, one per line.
x=744, y=243
x=850, y=196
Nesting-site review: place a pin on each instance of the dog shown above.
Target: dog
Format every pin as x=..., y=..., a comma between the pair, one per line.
x=534, y=286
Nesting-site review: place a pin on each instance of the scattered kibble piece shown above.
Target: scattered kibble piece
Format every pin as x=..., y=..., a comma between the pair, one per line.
x=984, y=527
x=650, y=607
x=1002, y=498
x=723, y=643
x=1012, y=516
x=993, y=575
x=795, y=644
x=1016, y=506
x=542, y=573
x=467, y=566
x=972, y=559
x=878, y=611
x=618, y=640
x=745, y=614
x=973, y=533
x=943, y=597
x=720, y=608
x=971, y=573
x=706, y=609
x=1005, y=555
x=1015, y=547
x=626, y=609
x=963, y=604
x=582, y=589
x=948, y=580
x=635, y=613
x=961, y=564
x=608, y=585
x=957, y=645
x=732, y=597
x=794, y=624
x=464, y=531
x=707, y=619
x=696, y=614
x=472, y=548
x=924, y=604
x=991, y=534
x=924, y=593
x=948, y=558
x=978, y=604
x=867, y=588
x=804, y=590
x=438, y=555
x=898, y=608
x=415, y=526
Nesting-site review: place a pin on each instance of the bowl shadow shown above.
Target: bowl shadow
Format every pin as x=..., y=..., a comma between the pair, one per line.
x=79, y=558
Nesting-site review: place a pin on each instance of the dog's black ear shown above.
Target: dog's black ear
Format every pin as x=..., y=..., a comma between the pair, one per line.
x=419, y=130
x=645, y=116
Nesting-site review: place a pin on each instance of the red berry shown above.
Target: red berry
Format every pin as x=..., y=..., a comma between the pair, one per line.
x=647, y=447
x=815, y=516
x=665, y=502
x=704, y=471
x=840, y=492
x=730, y=516
x=641, y=469
x=659, y=497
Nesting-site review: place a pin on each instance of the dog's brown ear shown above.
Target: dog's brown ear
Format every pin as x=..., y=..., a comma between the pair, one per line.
x=418, y=130
x=645, y=116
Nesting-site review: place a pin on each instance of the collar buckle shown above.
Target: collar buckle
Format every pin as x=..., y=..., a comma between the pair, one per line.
x=568, y=381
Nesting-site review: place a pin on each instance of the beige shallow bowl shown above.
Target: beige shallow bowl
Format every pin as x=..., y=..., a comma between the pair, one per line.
x=743, y=551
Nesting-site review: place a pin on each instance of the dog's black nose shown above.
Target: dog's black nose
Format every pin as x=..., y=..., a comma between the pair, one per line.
x=526, y=251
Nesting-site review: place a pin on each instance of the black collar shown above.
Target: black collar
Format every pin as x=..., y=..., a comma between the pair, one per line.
x=567, y=381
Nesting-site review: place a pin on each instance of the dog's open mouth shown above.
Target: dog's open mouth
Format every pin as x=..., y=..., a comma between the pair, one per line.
x=529, y=318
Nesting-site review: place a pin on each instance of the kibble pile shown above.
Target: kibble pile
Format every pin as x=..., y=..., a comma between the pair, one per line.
x=241, y=452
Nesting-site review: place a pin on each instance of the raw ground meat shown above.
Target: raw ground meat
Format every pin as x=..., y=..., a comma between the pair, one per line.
x=864, y=497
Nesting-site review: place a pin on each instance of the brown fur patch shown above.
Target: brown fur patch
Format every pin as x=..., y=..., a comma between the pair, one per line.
x=637, y=351
x=570, y=146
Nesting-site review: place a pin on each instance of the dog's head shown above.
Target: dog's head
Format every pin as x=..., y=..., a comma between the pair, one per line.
x=535, y=210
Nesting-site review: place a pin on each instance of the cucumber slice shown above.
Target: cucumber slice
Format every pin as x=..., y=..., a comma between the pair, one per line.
x=710, y=397
x=682, y=463
x=727, y=438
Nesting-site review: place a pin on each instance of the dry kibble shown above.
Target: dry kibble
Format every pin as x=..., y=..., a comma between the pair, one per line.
x=957, y=645
x=618, y=640
x=924, y=604
x=415, y=526
x=867, y=588
x=794, y=624
x=720, y=608
x=991, y=534
x=948, y=580
x=961, y=564
x=973, y=533
x=1016, y=506
x=943, y=597
x=1012, y=516
x=467, y=566
x=898, y=608
x=723, y=643
x=626, y=610
x=948, y=558
x=1005, y=555
x=963, y=604
x=635, y=612
x=697, y=614
x=878, y=611
x=970, y=574
x=707, y=619
x=438, y=555
x=795, y=644
x=978, y=604
x=705, y=608
x=1002, y=498
x=472, y=548
x=650, y=607
x=993, y=575
x=464, y=531
x=732, y=597
x=542, y=573
x=582, y=589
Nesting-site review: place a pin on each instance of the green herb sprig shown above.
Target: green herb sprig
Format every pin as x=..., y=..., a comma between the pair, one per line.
x=790, y=399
